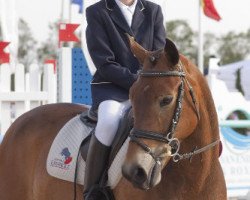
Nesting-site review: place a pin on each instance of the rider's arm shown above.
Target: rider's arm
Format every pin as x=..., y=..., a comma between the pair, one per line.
x=159, y=31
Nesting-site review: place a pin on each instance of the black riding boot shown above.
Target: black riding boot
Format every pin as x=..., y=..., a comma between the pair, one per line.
x=96, y=163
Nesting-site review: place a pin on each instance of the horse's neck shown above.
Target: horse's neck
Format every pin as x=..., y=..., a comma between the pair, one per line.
x=207, y=130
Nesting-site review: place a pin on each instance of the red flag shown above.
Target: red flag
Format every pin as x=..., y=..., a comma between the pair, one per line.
x=4, y=57
x=53, y=62
x=66, y=32
x=209, y=10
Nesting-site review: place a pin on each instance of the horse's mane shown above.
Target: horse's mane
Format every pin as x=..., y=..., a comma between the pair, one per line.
x=200, y=83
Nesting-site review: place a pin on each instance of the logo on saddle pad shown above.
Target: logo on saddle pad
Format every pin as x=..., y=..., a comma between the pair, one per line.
x=62, y=163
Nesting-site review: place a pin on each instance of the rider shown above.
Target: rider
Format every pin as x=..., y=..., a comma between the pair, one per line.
x=108, y=21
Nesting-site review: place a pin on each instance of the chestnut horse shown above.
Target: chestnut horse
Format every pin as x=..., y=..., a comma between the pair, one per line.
x=174, y=147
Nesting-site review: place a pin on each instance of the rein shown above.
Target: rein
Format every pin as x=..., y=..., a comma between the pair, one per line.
x=168, y=137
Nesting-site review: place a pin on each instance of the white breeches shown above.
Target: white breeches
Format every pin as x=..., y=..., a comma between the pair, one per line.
x=109, y=114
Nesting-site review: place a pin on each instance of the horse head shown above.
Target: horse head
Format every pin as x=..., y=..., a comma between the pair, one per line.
x=157, y=99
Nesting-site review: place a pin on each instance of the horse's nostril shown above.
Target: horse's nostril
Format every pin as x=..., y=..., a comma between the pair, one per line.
x=139, y=175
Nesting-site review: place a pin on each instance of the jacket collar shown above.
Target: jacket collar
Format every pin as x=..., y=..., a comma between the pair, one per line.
x=110, y=4
x=138, y=17
x=119, y=19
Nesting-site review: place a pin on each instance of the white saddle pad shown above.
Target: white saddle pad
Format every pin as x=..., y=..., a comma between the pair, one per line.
x=61, y=161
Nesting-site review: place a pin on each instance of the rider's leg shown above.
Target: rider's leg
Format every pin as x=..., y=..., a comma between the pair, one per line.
x=109, y=115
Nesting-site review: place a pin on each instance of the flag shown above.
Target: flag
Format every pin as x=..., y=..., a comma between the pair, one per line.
x=66, y=33
x=80, y=3
x=4, y=57
x=9, y=27
x=209, y=10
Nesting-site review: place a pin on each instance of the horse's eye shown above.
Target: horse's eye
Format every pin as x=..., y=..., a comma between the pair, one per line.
x=165, y=101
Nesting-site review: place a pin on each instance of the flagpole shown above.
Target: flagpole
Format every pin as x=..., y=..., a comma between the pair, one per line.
x=62, y=11
x=60, y=44
x=200, y=43
x=70, y=12
x=71, y=44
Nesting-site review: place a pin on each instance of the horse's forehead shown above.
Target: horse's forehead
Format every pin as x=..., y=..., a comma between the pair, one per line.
x=155, y=56
x=150, y=90
x=158, y=60
x=158, y=53
x=146, y=88
x=145, y=91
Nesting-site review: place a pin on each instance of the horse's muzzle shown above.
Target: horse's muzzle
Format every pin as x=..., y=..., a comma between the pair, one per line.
x=144, y=175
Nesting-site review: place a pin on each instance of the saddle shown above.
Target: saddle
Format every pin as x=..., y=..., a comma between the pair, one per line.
x=89, y=118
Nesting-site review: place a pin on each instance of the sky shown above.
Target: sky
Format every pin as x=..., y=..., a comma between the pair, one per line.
x=235, y=14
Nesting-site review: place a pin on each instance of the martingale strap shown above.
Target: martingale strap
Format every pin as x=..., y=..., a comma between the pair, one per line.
x=196, y=151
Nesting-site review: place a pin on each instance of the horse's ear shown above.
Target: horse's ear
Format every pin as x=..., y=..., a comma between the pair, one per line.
x=138, y=51
x=171, y=52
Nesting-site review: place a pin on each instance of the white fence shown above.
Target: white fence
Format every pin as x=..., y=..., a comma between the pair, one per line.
x=32, y=89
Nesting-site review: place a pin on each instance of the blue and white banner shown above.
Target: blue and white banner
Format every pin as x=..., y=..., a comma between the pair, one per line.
x=79, y=3
x=235, y=161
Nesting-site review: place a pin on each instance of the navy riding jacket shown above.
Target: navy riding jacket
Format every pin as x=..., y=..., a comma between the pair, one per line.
x=109, y=47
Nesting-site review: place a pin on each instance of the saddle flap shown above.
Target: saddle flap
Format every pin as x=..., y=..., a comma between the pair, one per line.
x=125, y=125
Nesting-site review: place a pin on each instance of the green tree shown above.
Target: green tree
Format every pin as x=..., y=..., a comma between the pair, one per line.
x=234, y=47
x=248, y=34
x=27, y=44
x=48, y=49
x=210, y=46
x=184, y=37
x=187, y=40
x=231, y=47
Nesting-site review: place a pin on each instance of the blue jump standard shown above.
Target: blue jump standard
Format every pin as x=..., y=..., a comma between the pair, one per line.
x=81, y=78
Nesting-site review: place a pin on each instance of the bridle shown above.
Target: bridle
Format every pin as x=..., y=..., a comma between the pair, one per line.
x=168, y=136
